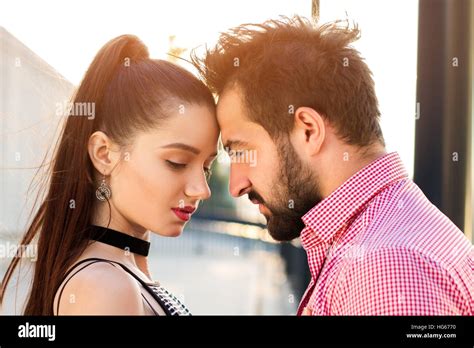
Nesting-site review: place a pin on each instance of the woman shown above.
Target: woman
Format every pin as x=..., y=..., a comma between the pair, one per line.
x=140, y=164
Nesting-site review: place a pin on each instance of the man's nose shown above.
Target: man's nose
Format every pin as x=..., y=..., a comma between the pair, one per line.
x=239, y=184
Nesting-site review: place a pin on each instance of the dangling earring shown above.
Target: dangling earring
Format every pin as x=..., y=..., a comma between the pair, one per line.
x=103, y=192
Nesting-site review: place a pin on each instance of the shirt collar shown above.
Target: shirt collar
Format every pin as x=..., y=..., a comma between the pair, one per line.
x=333, y=212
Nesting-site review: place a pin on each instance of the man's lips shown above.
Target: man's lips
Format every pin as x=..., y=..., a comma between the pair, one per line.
x=254, y=201
x=261, y=207
x=184, y=213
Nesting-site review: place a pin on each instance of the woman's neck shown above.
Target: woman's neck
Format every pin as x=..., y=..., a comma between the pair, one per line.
x=109, y=252
x=116, y=254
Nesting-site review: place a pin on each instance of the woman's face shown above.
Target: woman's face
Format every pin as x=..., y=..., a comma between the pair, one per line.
x=158, y=184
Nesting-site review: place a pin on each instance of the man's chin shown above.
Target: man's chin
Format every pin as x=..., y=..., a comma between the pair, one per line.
x=282, y=232
x=279, y=237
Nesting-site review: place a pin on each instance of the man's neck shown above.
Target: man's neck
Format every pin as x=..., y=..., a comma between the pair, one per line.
x=349, y=161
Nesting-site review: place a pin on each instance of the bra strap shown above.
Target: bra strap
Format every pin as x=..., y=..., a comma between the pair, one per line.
x=126, y=269
x=95, y=260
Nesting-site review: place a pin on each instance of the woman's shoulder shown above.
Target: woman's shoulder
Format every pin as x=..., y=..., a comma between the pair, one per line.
x=101, y=288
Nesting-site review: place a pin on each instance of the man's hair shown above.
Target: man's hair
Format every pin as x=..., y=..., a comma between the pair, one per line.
x=284, y=64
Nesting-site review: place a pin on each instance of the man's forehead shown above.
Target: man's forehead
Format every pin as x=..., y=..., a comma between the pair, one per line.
x=230, y=114
x=242, y=134
x=236, y=127
x=230, y=101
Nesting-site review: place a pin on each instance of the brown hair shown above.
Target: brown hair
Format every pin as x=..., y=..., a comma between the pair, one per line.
x=284, y=64
x=131, y=92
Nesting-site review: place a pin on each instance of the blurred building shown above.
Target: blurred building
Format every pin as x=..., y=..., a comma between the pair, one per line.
x=30, y=93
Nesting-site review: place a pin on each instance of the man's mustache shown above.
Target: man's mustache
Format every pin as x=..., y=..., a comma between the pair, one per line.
x=254, y=196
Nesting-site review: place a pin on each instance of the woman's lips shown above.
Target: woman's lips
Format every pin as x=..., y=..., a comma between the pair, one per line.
x=183, y=213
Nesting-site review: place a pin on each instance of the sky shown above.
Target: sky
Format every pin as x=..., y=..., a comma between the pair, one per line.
x=67, y=35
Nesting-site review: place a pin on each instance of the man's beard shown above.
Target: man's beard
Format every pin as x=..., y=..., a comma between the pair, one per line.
x=293, y=194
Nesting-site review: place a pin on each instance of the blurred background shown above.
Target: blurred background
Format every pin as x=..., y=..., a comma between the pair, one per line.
x=420, y=52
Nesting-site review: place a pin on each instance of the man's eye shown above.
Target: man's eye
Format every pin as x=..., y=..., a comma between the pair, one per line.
x=236, y=153
x=176, y=165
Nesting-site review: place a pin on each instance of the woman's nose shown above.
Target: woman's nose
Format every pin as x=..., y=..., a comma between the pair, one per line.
x=199, y=189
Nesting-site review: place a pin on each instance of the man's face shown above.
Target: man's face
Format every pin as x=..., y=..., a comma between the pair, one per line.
x=270, y=173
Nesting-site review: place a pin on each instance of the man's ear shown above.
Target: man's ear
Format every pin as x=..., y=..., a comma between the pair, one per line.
x=309, y=131
x=101, y=153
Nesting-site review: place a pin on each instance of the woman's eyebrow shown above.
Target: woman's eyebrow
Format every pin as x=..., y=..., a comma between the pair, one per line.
x=182, y=146
x=186, y=147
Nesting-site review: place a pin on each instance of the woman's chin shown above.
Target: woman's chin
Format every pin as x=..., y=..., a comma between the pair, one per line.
x=169, y=230
x=172, y=231
x=176, y=233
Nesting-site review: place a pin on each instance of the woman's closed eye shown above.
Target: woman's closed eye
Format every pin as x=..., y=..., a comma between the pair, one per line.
x=178, y=166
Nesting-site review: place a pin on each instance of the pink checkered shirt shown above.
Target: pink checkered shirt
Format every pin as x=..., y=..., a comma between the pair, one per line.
x=377, y=246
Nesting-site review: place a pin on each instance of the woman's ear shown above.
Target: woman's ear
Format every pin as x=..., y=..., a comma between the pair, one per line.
x=101, y=153
x=309, y=131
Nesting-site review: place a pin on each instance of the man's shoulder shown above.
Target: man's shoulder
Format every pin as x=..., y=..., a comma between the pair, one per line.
x=412, y=226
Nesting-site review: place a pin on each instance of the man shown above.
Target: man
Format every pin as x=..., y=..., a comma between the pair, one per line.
x=303, y=99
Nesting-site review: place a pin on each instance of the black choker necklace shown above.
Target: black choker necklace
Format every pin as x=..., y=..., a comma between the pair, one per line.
x=120, y=240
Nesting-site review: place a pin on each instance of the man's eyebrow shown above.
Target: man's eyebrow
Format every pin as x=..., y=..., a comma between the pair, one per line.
x=231, y=143
x=182, y=146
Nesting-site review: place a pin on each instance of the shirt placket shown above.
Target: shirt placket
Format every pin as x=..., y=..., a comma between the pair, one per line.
x=317, y=256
